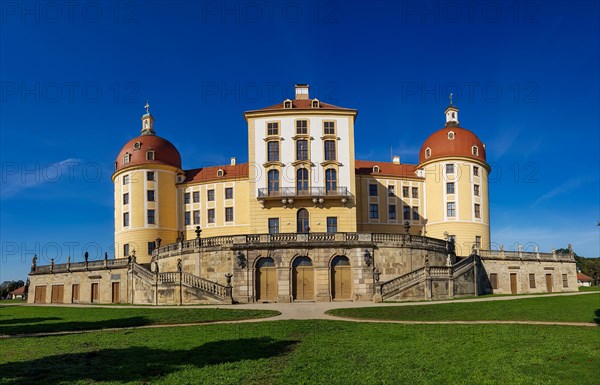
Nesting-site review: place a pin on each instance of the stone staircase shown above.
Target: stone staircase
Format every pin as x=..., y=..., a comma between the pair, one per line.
x=201, y=287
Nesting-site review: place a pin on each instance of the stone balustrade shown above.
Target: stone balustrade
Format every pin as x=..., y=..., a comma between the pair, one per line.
x=525, y=255
x=81, y=266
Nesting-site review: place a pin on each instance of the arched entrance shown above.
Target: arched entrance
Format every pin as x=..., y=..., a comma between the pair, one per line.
x=341, y=278
x=302, y=221
x=303, y=282
x=266, y=280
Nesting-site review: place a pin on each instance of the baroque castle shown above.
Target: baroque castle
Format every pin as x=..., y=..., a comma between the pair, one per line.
x=302, y=220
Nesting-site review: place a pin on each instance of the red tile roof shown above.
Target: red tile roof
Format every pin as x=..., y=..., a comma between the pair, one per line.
x=164, y=152
x=583, y=278
x=18, y=291
x=204, y=174
x=462, y=145
x=365, y=167
x=303, y=104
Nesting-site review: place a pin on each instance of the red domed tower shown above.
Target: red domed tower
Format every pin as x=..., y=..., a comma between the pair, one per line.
x=147, y=170
x=453, y=162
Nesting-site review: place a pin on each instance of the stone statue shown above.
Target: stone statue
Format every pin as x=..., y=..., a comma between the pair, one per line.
x=179, y=265
x=86, y=256
x=34, y=263
x=448, y=260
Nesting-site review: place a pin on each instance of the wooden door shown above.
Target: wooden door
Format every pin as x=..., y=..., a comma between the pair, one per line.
x=303, y=283
x=40, y=294
x=57, y=293
x=95, y=293
x=116, y=293
x=75, y=293
x=549, y=283
x=267, y=284
x=513, y=283
x=342, y=283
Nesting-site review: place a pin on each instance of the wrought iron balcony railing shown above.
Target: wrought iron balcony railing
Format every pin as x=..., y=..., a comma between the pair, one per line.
x=291, y=192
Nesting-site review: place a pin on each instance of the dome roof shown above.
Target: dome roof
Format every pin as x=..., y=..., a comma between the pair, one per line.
x=137, y=148
x=452, y=141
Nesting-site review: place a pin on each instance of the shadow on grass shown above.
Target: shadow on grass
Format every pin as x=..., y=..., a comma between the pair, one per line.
x=73, y=325
x=137, y=363
x=27, y=320
x=597, y=318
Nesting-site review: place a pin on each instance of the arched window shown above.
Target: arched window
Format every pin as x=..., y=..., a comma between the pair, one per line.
x=302, y=221
x=315, y=103
x=265, y=262
x=273, y=176
x=376, y=169
x=220, y=173
x=150, y=155
x=451, y=135
x=340, y=260
x=302, y=261
x=330, y=181
x=475, y=150
x=287, y=104
x=126, y=158
x=427, y=152
x=302, y=181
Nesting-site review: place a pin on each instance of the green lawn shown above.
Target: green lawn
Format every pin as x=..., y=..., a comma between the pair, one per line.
x=309, y=352
x=38, y=319
x=577, y=308
x=589, y=288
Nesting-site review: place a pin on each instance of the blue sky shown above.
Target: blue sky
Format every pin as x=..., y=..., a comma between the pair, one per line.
x=75, y=77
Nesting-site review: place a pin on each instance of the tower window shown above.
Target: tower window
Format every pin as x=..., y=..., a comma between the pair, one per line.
x=228, y=214
x=450, y=188
x=475, y=150
x=126, y=158
x=450, y=168
x=477, y=210
x=151, y=247
x=126, y=198
x=475, y=171
x=125, y=219
x=126, y=249
x=150, y=155
x=150, y=195
x=229, y=193
x=125, y=179
x=427, y=153
x=476, y=190
x=137, y=145
x=150, y=176
x=151, y=219
x=451, y=209
x=451, y=135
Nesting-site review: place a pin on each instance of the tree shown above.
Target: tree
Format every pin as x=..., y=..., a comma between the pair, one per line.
x=8, y=286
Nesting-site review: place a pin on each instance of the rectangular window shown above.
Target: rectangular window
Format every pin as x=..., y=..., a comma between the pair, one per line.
x=450, y=188
x=478, y=241
x=565, y=280
x=415, y=213
x=406, y=213
x=301, y=127
x=196, y=217
x=150, y=195
x=330, y=150
x=415, y=192
x=196, y=196
x=392, y=211
x=405, y=192
x=450, y=168
x=475, y=171
x=188, y=218
x=210, y=195
x=273, y=225
x=125, y=219
x=150, y=155
x=126, y=249
x=329, y=128
x=151, y=247
x=125, y=179
x=332, y=224
x=450, y=209
x=532, y=281
x=476, y=190
x=391, y=190
x=150, y=176
x=273, y=128
x=228, y=214
x=126, y=198
x=373, y=211
x=229, y=193
x=494, y=280
x=211, y=215
x=372, y=190
x=477, y=210
x=151, y=219
x=186, y=198
x=301, y=149
x=273, y=151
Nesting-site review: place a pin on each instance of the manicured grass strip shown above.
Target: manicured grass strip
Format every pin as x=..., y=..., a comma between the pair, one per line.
x=577, y=308
x=309, y=352
x=589, y=288
x=42, y=319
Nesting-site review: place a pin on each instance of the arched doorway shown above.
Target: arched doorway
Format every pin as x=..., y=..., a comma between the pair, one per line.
x=266, y=280
x=303, y=282
x=341, y=278
x=302, y=221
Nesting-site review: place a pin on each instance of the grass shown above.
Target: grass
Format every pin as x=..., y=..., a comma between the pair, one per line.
x=42, y=319
x=578, y=308
x=589, y=288
x=309, y=352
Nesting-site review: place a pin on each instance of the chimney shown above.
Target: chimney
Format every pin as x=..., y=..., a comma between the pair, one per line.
x=233, y=161
x=301, y=91
x=396, y=159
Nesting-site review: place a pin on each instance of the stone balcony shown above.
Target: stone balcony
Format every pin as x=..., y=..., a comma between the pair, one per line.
x=318, y=195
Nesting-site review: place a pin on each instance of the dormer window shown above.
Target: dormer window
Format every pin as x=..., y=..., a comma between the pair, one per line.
x=287, y=104
x=315, y=103
x=475, y=150
x=427, y=153
x=220, y=173
x=451, y=135
x=150, y=155
x=375, y=169
x=137, y=145
x=126, y=158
